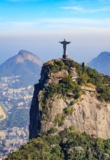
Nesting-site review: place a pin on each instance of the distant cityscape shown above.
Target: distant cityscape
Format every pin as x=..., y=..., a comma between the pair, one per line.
x=13, y=103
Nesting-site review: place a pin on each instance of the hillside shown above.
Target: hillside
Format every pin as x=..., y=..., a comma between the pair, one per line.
x=71, y=95
x=101, y=63
x=26, y=65
x=69, y=114
x=67, y=145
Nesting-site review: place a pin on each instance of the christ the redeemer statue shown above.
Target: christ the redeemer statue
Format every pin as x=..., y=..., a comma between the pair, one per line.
x=65, y=48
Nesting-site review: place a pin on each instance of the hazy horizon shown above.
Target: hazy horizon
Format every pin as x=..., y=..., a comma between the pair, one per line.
x=37, y=26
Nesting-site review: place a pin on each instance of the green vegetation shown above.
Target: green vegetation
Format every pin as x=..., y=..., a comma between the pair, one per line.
x=53, y=67
x=68, y=145
x=86, y=76
x=71, y=103
x=104, y=92
x=52, y=130
x=66, y=85
x=102, y=83
x=57, y=65
x=68, y=110
x=59, y=120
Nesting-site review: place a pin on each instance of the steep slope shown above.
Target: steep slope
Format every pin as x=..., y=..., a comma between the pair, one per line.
x=71, y=95
x=25, y=64
x=68, y=101
x=101, y=63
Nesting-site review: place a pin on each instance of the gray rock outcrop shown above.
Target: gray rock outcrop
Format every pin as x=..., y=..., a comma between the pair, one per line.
x=87, y=113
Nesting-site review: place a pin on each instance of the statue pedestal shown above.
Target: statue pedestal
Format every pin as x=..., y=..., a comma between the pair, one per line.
x=65, y=56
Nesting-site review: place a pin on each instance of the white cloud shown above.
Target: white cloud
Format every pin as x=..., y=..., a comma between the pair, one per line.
x=81, y=9
x=17, y=25
x=105, y=9
x=54, y=25
x=75, y=8
x=76, y=22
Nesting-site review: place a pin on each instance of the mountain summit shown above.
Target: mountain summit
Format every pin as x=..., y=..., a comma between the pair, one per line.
x=26, y=65
x=68, y=95
x=26, y=55
x=101, y=63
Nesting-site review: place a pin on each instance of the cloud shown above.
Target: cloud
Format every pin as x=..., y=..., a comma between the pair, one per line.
x=77, y=22
x=75, y=8
x=81, y=9
x=105, y=9
x=51, y=25
x=17, y=25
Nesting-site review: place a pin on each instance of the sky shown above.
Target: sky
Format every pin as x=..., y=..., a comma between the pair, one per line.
x=39, y=25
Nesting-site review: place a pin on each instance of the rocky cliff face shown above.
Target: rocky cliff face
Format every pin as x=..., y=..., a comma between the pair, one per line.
x=62, y=99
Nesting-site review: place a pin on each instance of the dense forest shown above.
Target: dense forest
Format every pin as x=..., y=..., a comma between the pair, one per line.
x=67, y=145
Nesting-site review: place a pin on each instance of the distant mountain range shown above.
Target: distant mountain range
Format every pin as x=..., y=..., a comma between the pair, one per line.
x=26, y=65
x=101, y=63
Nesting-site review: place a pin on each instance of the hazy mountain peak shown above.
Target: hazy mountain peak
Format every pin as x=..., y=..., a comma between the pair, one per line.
x=25, y=64
x=101, y=63
x=26, y=55
x=22, y=51
x=104, y=54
